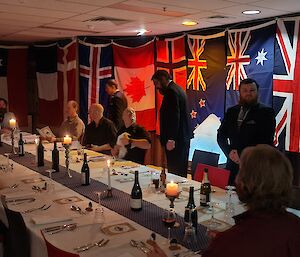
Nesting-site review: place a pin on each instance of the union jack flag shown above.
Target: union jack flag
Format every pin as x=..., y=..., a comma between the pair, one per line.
x=286, y=87
x=250, y=55
x=195, y=64
x=95, y=68
x=237, y=58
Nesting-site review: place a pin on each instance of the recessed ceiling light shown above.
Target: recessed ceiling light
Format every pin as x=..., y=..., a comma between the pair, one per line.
x=251, y=12
x=189, y=23
x=142, y=32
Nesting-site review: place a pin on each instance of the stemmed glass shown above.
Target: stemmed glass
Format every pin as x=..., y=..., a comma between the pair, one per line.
x=50, y=186
x=213, y=222
x=99, y=217
x=169, y=219
x=9, y=167
x=229, y=210
x=189, y=231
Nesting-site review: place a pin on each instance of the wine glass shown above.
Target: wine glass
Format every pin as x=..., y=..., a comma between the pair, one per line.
x=99, y=217
x=50, y=186
x=189, y=231
x=169, y=219
x=213, y=222
x=229, y=210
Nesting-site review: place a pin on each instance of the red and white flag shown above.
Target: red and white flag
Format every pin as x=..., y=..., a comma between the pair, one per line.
x=56, y=77
x=66, y=68
x=13, y=80
x=134, y=68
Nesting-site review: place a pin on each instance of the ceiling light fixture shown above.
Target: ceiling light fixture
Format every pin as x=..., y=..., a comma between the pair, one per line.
x=189, y=23
x=251, y=12
x=142, y=32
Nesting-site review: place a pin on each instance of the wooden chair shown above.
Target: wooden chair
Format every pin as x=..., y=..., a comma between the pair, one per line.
x=217, y=176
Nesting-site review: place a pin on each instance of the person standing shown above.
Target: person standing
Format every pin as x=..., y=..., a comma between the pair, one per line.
x=247, y=124
x=117, y=103
x=175, y=132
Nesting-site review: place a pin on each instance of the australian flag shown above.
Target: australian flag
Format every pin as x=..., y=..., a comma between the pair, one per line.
x=250, y=54
x=286, y=88
x=206, y=76
x=95, y=62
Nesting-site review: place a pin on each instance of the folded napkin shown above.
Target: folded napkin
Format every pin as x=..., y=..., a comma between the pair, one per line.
x=44, y=219
x=126, y=255
x=18, y=195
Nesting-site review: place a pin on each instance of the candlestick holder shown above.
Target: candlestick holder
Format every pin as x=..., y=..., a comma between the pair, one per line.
x=13, y=149
x=172, y=199
x=67, y=155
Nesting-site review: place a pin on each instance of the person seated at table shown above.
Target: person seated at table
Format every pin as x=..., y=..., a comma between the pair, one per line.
x=5, y=116
x=133, y=140
x=117, y=103
x=264, y=185
x=72, y=126
x=100, y=133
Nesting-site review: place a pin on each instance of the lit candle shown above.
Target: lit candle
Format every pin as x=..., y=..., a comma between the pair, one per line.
x=67, y=140
x=108, y=174
x=12, y=123
x=36, y=141
x=172, y=189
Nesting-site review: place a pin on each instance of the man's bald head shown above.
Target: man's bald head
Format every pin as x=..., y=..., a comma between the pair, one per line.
x=96, y=112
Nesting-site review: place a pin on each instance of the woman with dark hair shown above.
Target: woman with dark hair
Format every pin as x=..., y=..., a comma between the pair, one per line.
x=266, y=229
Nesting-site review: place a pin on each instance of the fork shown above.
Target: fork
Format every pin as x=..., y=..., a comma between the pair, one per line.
x=89, y=246
x=44, y=208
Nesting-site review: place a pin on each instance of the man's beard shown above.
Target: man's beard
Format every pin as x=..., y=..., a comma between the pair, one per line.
x=248, y=103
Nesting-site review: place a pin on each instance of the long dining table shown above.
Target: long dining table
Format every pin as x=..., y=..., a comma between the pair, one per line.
x=118, y=222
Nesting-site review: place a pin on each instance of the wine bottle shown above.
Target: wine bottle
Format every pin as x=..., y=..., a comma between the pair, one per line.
x=40, y=153
x=21, y=146
x=205, y=190
x=85, y=171
x=136, y=194
x=191, y=207
x=55, y=158
x=163, y=178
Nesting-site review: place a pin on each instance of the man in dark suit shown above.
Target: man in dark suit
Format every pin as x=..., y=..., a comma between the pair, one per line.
x=175, y=132
x=117, y=103
x=247, y=124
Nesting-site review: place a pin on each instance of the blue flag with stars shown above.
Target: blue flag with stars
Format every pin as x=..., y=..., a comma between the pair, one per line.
x=206, y=77
x=250, y=54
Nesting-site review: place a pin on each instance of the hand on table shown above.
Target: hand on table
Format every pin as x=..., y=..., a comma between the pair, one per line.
x=170, y=145
x=233, y=155
x=115, y=151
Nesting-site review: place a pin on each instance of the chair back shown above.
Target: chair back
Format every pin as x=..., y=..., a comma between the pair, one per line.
x=17, y=243
x=204, y=157
x=218, y=177
x=56, y=252
x=295, y=199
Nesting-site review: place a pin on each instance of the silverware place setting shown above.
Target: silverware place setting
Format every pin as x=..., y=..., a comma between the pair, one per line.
x=51, y=229
x=77, y=209
x=17, y=201
x=69, y=227
x=139, y=246
x=87, y=247
x=42, y=208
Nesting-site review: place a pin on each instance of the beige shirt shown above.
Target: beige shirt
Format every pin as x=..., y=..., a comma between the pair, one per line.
x=73, y=127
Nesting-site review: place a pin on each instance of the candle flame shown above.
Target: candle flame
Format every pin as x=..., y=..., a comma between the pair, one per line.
x=108, y=163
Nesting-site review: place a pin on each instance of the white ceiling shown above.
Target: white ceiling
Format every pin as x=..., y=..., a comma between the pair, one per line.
x=38, y=20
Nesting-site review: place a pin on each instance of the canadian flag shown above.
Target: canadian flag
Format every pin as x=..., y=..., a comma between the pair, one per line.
x=134, y=68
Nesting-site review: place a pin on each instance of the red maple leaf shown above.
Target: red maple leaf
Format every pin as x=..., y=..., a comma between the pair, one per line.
x=135, y=89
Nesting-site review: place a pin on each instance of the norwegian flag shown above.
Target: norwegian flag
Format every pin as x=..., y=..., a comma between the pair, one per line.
x=170, y=56
x=95, y=69
x=250, y=55
x=286, y=87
